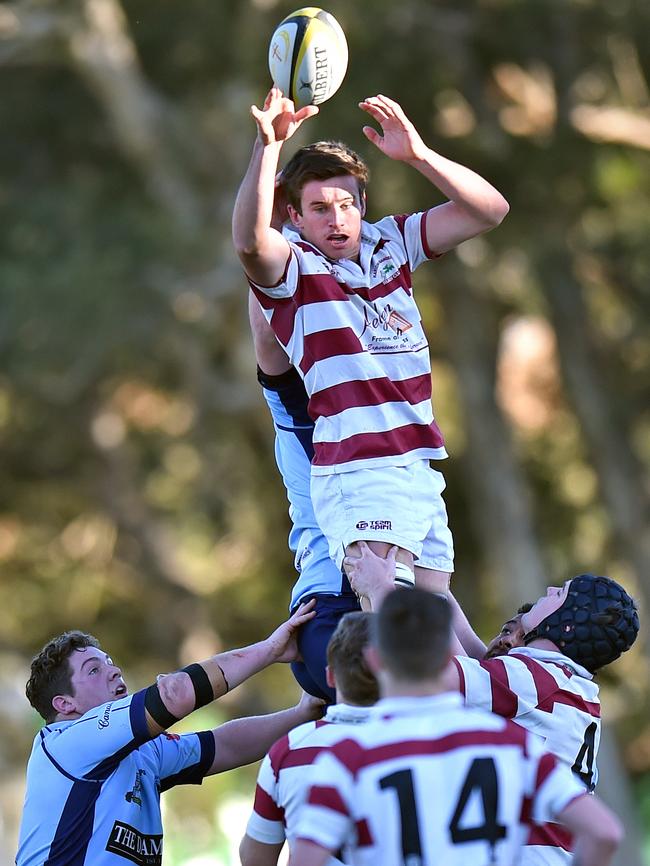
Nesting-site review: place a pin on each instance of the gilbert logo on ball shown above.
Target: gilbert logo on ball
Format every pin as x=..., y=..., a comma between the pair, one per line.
x=308, y=56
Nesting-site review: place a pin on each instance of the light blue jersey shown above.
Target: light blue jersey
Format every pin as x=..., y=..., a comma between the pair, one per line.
x=94, y=785
x=287, y=400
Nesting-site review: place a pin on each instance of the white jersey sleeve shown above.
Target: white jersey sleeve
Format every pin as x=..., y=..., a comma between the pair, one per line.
x=266, y=823
x=327, y=816
x=409, y=230
x=552, y=785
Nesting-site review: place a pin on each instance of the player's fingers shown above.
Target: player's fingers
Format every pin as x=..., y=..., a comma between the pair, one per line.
x=374, y=110
x=372, y=135
x=306, y=112
x=387, y=103
x=304, y=611
x=392, y=553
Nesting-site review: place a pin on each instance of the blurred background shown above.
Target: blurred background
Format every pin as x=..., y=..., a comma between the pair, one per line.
x=139, y=498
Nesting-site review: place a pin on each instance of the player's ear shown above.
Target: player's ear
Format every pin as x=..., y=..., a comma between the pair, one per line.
x=330, y=679
x=362, y=203
x=295, y=216
x=63, y=704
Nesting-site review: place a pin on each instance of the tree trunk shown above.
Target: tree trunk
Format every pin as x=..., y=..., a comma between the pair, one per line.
x=500, y=504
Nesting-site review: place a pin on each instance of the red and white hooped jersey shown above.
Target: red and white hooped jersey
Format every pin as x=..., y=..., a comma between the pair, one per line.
x=354, y=333
x=552, y=696
x=548, y=694
x=285, y=773
x=429, y=781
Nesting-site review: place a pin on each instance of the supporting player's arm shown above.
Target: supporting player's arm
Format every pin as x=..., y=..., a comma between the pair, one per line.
x=243, y=741
x=254, y=853
x=262, y=249
x=471, y=643
x=306, y=853
x=474, y=205
x=596, y=831
x=173, y=696
x=269, y=354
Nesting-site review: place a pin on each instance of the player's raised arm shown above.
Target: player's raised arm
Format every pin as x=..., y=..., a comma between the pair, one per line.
x=262, y=249
x=474, y=205
x=175, y=695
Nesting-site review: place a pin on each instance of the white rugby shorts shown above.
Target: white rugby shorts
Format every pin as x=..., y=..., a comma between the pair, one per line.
x=402, y=505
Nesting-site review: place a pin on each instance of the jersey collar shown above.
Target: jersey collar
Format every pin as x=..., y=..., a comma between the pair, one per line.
x=558, y=658
x=347, y=713
x=390, y=708
x=370, y=237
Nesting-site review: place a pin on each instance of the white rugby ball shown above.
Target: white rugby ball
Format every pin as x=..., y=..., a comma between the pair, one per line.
x=308, y=56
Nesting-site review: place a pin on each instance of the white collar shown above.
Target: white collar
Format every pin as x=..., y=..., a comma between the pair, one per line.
x=347, y=713
x=421, y=704
x=558, y=658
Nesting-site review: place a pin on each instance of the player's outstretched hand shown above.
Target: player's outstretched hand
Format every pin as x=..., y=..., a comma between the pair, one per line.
x=282, y=643
x=311, y=707
x=400, y=139
x=370, y=575
x=278, y=119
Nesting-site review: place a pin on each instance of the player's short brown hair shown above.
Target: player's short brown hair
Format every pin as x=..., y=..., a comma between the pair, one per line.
x=51, y=674
x=347, y=662
x=412, y=632
x=321, y=161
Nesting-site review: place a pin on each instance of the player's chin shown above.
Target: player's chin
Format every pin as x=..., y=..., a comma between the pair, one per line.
x=498, y=650
x=342, y=250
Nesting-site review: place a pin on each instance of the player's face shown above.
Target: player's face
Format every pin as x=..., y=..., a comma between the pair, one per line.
x=510, y=636
x=545, y=606
x=95, y=679
x=331, y=216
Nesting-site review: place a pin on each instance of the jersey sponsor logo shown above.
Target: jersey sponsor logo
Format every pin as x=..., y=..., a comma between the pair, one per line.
x=133, y=796
x=398, y=322
x=170, y=736
x=384, y=329
x=104, y=720
x=385, y=267
x=304, y=556
x=145, y=849
x=376, y=525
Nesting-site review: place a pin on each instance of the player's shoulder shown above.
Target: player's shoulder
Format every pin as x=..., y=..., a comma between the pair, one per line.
x=296, y=738
x=395, y=226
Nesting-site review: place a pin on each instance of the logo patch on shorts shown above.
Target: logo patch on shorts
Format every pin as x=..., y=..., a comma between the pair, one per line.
x=374, y=524
x=145, y=849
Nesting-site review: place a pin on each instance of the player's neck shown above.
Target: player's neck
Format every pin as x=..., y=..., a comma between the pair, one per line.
x=541, y=643
x=412, y=689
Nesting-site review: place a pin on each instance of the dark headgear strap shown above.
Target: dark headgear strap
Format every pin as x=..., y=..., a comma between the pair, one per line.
x=596, y=623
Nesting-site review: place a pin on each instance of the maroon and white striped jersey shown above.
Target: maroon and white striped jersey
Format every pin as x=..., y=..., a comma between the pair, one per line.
x=354, y=333
x=429, y=781
x=284, y=776
x=545, y=692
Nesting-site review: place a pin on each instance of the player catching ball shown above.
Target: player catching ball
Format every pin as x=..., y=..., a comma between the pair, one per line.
x=338, y=294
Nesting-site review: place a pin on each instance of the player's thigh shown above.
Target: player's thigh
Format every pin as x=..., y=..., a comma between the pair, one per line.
x=386, y=504
x=313, y=638
x=436, y=562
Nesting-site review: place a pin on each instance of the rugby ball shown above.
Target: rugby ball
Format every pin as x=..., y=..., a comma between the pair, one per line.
x=308, y=56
